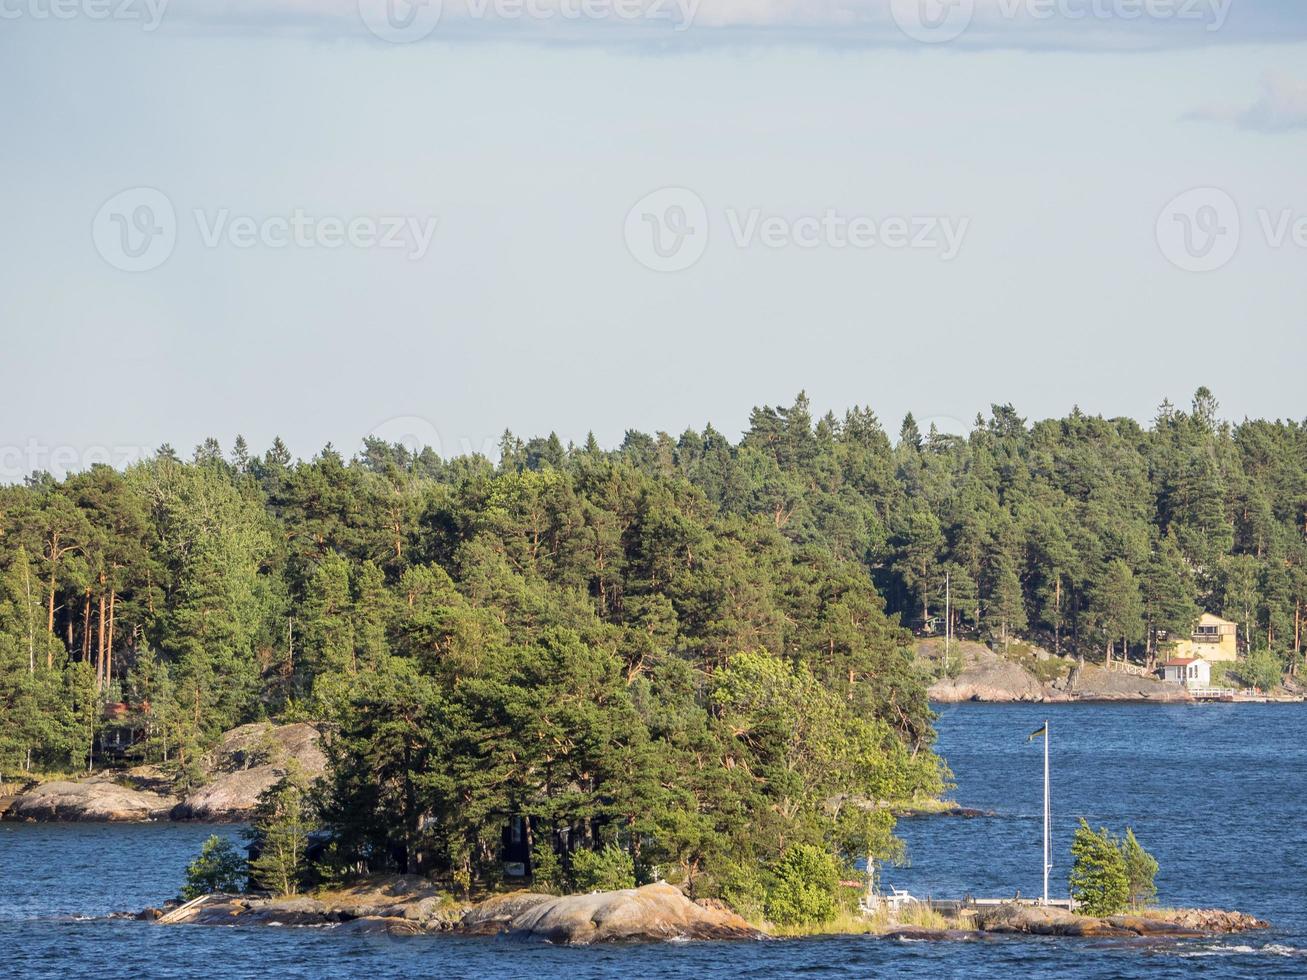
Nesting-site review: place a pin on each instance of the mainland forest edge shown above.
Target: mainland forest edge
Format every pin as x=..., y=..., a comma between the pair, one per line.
x=684, y=660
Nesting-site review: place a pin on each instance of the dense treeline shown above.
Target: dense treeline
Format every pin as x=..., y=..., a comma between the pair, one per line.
x=679, y=646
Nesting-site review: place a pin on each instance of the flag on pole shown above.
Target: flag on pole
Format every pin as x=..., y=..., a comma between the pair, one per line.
x=1040, y=731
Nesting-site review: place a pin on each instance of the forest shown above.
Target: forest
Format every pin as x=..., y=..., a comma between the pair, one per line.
x=695, y=649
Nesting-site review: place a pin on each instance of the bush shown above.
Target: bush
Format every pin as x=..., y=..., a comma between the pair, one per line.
x=219, y=868
x=606, y=870
x=1261, y=669
x=1140, y=870
x=280, y=833
x=741, y=886
x=1099, y=882
x=546, y=871
x=805, y=889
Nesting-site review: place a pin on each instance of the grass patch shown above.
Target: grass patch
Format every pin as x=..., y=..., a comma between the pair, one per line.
x=849, y=923
x=1047, y=669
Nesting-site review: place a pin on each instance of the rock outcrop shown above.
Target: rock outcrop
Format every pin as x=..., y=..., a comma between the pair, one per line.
x=1044, y=921
x=94, y=799
x=401, y=906
x=992, y=679
x=1092, y=683
x=1213, y=920
x=988, y=676
x=387, y=904
x=248, y=761
x=650, y=913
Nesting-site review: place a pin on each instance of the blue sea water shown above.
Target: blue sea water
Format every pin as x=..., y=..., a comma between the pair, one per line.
x=1217, y=792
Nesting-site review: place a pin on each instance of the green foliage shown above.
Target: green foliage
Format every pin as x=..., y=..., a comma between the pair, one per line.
x=279, y=832
x=546, y=868
x=805, y=888
x=1140, y=871
x=1260, y=669
x=218, y=868
x=607, y=869
x=1100, y=882
x=691, y=645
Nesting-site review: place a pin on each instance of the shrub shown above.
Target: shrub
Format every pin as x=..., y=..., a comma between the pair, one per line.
x=804, y=893
x=219, y=868
x=741, y=886
x=546, y=871
x=1099, y=882
x=280, y=832
x=1261, y=669
x=1140, y=870
x=605, y=870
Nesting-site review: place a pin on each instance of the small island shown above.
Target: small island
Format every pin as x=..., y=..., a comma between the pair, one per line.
x=1111, y=884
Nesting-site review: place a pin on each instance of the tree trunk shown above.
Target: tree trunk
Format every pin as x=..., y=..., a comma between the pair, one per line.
x=86, y=628
x=100, y=678
x=31, y=628
x=1057, y=614
x=49, y=649
x=108, y=649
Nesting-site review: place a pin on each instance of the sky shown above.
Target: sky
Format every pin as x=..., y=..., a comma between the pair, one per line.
x=321, y=219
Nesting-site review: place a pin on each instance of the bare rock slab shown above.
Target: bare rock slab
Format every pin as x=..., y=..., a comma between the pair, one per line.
x=92, y=800
x=652, y=913
x=249, y=760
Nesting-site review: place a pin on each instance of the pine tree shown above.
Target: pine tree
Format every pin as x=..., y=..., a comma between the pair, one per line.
x=218, y=868
x=1099, y=881
x=280, y=834
x=1140, y=870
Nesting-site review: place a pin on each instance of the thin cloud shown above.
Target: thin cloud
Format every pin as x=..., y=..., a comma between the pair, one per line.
x=1081, y=25
x=1281, y=108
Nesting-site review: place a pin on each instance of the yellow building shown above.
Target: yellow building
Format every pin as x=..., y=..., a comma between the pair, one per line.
x=1213, y=640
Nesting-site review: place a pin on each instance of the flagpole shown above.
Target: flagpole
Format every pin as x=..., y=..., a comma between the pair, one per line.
x=1047, y=814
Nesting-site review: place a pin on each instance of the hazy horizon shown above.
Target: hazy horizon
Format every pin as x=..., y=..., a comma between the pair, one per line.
x=566, y=225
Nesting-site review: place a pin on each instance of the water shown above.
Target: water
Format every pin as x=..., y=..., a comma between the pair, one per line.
x=1216, y=792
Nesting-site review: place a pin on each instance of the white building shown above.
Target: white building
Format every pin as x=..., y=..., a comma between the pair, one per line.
x=1190, y=671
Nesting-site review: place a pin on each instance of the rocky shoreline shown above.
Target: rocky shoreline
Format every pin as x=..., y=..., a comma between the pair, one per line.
x=405, y=906
x=398, y=905
x=246, y=761
x=1037, y=677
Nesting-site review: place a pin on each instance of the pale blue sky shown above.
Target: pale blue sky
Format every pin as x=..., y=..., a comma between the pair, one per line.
x=529, y=311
